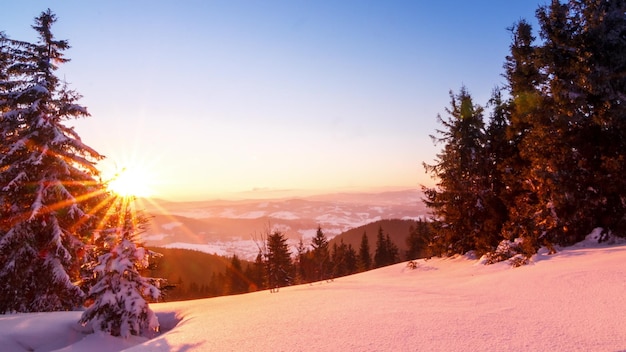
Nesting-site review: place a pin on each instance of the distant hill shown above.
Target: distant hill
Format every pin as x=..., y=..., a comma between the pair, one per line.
x=397, y=229
x=188, y=271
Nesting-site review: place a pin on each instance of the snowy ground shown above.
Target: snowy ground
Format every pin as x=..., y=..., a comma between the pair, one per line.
x=571, y=301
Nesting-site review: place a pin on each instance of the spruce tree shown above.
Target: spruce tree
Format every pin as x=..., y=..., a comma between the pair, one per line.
x=571, y=133
x=235, y=279
x=558, y=169
x=493, y=192
x=350, y=260
x=259, y=272
x=418, y=240
x=524, y=80
x=365, y=256
x=321, y=255
x=458, y=201
x=278, y=261
x=547, y=167
x=393, y=253
x=120, y=292
x=343, y=259
x=380, y=253
x=301, y=263
x=386, y=252
x=47, y=178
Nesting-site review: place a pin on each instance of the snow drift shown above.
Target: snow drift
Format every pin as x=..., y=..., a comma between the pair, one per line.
x=571, y=301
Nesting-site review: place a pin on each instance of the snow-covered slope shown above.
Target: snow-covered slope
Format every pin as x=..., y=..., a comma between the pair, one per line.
x=571, y=301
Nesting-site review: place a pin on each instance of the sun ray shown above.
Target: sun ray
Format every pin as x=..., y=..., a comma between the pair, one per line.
x=131, y=181
x=168, y=215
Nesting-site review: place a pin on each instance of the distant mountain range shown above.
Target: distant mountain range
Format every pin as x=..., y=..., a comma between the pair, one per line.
x=236, y=227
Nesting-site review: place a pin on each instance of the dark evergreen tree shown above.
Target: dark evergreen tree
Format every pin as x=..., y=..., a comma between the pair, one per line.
x=259, y=272
x=525, y=81
x=236, y=282
x=458, y=201
x=418, y=240
x=393, y=253
x=350, y=260
x=343, y=259
x=278, y=261
x=557, y=180
x=321, y=255
x=570, y=135
x=547, y=167
x=305, y=268
x=365, y=256
x=493, y=193
x=47, y=178
x=386, y=252
x=380, y=253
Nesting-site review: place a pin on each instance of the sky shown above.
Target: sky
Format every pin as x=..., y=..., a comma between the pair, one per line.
x=254, y=99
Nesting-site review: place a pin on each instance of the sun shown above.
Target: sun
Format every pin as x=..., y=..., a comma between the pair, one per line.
x=131, y=182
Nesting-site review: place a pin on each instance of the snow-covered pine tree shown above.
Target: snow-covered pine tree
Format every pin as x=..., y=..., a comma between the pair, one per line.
x=47, y=178
x=120, y=291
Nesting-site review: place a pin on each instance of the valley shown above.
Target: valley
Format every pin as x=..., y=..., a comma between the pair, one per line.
x=237, y=227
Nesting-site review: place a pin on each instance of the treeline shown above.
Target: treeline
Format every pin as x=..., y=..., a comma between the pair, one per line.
x=548, y=164
x=191, y=274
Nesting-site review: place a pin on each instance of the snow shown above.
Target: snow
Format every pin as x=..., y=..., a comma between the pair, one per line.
x=570, y=301
x=172, y=225
x=285, y=215
x=154, y=237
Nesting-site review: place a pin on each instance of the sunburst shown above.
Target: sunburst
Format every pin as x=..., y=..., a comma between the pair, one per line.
x=131, y=182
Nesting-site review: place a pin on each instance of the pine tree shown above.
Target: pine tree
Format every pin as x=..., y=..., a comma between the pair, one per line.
x=321, y=255
x=393, y=253
x=599, y=120
x=278, y=261
x=386, y=252
x=525, y=81
x=47, y=178
x=338, y=256
x=380, y=253
x=350, y=260
x=458, y=200
x=235, y=279
x=418, y=240
x=493, y=193
x=259, y=272
x=570, y=135
x=304, y=263
x=365, y=256
x=547, y=167
x=120, y=291
x=558, y=169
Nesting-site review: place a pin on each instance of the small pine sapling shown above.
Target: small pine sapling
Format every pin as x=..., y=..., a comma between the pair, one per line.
x=120, y=292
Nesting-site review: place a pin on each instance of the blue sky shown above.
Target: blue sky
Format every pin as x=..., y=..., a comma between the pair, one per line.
x=236, y=99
